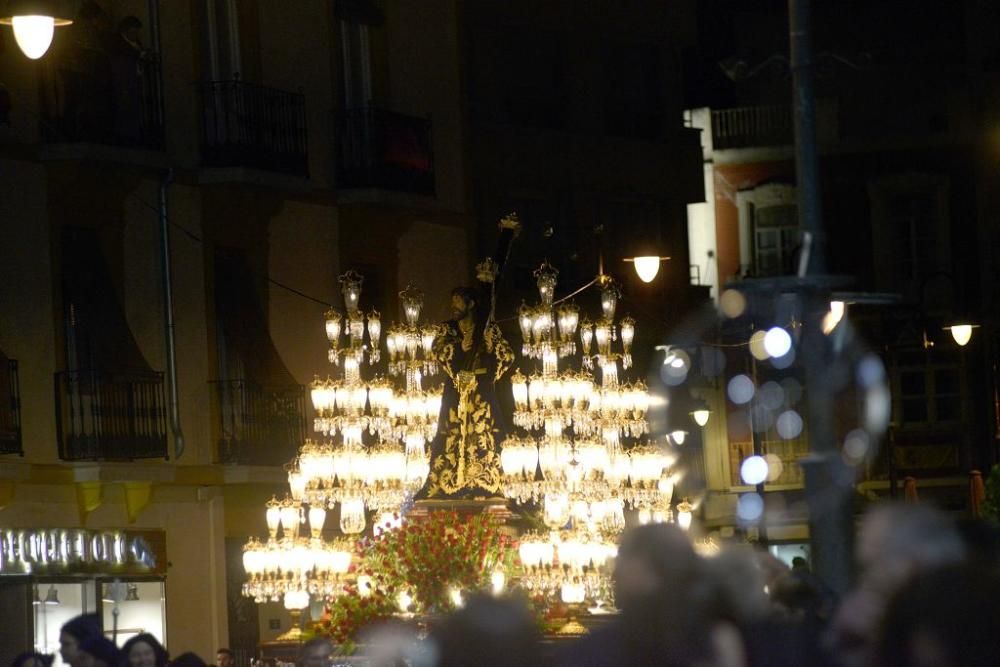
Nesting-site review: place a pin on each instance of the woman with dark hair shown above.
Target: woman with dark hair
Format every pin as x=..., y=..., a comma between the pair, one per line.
x=75, y=631
x=32, y=659
x=144, y=650
x=188, y=659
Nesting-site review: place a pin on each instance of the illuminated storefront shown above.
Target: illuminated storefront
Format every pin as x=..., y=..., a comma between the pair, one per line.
x=52, y=575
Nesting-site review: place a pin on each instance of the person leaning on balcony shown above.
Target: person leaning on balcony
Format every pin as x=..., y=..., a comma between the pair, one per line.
x=85, y=74
x=127, y=56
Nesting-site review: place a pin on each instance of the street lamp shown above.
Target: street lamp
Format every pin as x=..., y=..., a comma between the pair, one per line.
x=962, y=333
x=34, y=22
x=701, y=413
x=646, y=266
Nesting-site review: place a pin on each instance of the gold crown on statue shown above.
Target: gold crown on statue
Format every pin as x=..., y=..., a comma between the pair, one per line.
x=510, y=221
x=486, y=270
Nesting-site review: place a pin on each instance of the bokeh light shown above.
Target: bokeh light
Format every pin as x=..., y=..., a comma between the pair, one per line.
x=675, y=366
x=750, y=507
x=771, y=395
x=732, y=303
x=789, y=424
x=777, y=342
x=856, y=446
x=757, y=348
x=754, y=470
x=740, y=389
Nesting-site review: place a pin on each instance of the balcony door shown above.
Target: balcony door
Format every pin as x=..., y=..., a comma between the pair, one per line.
x=358, y=25
x=223, y=59
x=769, y=230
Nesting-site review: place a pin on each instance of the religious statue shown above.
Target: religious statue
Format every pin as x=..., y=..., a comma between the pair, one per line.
x=465, y=454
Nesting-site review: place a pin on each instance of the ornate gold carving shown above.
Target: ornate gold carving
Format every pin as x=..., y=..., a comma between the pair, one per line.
x=497, y=345
x=470, y=460
x=487, y=270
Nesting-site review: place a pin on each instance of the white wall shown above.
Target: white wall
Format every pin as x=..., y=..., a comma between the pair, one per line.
x=701, y=216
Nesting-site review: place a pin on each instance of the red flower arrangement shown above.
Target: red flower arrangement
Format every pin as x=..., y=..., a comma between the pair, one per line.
x=426, y=558
x=349, y=613
x=433, y=556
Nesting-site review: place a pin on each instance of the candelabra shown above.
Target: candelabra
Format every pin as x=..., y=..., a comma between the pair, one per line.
x=288, y=564
x=616, y=409
x=548, y=333
x=353, y=328
x=414, y=411
x=571, y=562
x=340, y=405
x=355, y=476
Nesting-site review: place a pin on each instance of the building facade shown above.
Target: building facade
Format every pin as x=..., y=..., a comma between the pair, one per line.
x=274, y=146
x=905, y=157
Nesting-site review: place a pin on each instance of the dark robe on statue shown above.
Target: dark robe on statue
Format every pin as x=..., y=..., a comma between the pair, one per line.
x=465, y=453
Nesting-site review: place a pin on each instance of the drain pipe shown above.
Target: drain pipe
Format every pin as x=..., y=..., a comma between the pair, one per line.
x=168, y=316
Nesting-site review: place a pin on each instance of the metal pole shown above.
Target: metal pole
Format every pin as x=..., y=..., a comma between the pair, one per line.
x=806, y=162
x=168, y=315
x=828, y=481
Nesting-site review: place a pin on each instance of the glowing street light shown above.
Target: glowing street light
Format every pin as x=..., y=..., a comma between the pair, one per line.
x=962, y=333
x=646, y=266
x=701, y=413
x=34, y=23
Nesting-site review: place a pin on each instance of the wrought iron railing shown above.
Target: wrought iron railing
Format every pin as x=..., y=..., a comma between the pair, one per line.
x=745, y=127
x=247, y=125
x=110, y=416
x=260, y=425
x=10, y=411
x=103, y=100
x=383, y=149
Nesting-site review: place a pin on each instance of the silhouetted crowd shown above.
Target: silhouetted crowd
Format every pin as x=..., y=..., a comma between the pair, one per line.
x=927, y=595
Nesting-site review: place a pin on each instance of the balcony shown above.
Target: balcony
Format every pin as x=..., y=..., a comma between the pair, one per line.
x=111, y=101
x=384, y=150
x=110, y=416
x=252, y=126
x=10, y=409
x=260, y=425
x=747, y=127
x=789, y=452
